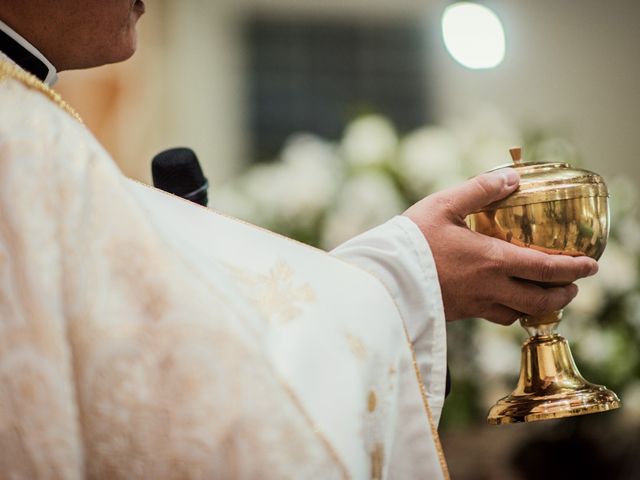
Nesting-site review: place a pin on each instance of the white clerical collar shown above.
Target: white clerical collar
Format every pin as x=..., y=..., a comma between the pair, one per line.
x=25, y=55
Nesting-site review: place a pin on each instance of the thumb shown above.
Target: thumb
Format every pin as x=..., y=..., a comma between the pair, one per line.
x=482, y=190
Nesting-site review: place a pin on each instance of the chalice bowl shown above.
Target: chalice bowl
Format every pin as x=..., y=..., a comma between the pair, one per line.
x=562, y=210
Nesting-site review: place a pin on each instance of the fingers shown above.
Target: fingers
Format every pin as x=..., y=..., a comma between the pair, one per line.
x=522, y=298
x=532, y=265
x=502, y=315
x=481, y=191
x=535, y=300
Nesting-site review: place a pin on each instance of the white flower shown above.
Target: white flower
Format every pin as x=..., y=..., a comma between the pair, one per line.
x=366, y=200
x=231, y=201
x=310, y=151
x=297, y=189
x=632, y=309
x=628, y=230
x=499, y=352
x=618, y=272
x=596, y=346
x=369, y=140
x=556, y=149
x=624, y=197
x=262, y=185
x=429, y=160
x=488, y=154
x=591, y=297
x=313, y=175
x=485, y=135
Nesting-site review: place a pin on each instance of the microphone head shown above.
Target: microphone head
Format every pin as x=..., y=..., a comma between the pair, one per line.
x=178, y=171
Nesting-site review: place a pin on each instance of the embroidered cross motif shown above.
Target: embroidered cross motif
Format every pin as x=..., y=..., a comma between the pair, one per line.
x=275, y=293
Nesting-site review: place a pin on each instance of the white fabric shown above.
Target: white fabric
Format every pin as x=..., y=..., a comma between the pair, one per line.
x=398, y=254
x=52, y=75
x=142, y=336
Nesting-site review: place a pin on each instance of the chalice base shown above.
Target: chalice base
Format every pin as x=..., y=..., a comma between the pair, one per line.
x=550, y=386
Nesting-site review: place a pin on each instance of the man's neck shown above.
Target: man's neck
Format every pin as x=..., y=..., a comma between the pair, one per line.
x=25, y=55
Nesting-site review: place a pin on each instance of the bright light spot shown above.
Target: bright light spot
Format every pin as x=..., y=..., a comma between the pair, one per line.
x=473, y=35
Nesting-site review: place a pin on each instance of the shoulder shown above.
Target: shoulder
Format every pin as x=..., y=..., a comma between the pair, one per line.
x=36, y=133
x=31, y=114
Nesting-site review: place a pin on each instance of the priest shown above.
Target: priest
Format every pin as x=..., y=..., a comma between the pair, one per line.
x=145, y=337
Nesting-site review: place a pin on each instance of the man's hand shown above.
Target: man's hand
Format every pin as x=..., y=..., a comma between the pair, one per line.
x=485, y=277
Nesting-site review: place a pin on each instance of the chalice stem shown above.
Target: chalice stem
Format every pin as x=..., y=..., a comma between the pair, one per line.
x=542, y=325
x=550, y=385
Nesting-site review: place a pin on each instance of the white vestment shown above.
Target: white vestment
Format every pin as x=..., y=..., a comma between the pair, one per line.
x=142, y=336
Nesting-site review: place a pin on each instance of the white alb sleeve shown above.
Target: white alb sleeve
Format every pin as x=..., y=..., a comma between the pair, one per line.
x=397, y=253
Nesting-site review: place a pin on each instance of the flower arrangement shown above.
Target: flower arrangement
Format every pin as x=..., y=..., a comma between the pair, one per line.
x=323, y=193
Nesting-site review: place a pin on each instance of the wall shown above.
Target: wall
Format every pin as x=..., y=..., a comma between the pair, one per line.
x=571, y=65
x=574, y=65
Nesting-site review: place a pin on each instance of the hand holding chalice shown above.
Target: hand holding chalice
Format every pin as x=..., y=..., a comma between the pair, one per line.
x=558, y=210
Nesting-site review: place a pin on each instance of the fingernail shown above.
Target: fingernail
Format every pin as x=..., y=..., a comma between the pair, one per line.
x=511, y=177
x=594, y=269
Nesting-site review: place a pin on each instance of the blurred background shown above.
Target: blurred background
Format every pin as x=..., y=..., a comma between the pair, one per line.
x=322, y=119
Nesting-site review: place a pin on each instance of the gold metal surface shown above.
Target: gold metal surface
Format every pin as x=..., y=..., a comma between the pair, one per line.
x=577, y=226
x=557, y=210
x=550, y=386
x=544, y=182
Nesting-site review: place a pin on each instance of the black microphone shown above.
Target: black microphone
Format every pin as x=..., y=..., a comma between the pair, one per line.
x=178, y=171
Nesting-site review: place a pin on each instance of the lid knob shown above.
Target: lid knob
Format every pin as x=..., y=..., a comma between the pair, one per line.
x=516, y=155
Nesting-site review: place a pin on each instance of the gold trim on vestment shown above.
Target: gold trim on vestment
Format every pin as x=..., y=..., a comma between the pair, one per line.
x=314, y=427
x=425, y=401
x=9, y=70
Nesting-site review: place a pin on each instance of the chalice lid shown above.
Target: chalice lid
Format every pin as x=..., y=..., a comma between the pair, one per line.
x=549, y=181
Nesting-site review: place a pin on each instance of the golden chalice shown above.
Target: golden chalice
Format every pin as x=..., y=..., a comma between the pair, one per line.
x=559, y=210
